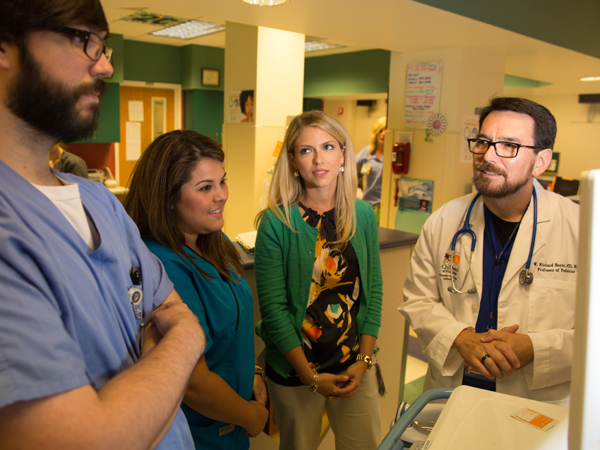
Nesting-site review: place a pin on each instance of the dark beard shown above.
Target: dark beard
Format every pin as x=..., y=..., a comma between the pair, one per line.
x=50, y=107
x=482, y=184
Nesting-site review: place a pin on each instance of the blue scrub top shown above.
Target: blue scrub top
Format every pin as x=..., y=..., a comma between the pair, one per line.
x=65, y=316
x=225, y=310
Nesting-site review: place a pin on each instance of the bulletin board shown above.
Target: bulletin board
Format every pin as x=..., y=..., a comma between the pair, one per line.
x=414, y=206
x=423, y=83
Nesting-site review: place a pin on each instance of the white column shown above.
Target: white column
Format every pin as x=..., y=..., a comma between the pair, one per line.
x=270, y=62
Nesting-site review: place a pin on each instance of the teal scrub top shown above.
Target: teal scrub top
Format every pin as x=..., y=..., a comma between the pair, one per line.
x=225, y=311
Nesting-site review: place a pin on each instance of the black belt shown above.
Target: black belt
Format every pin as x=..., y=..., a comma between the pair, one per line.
x=476, y=380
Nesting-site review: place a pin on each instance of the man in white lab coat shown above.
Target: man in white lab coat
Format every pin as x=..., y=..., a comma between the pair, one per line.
x=499, y=314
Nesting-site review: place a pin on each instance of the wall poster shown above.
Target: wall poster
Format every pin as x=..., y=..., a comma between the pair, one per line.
x=423, y=82
x=470, y=131
x=240, y=106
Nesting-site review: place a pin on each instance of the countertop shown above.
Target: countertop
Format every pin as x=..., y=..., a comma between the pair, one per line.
x=387, y=239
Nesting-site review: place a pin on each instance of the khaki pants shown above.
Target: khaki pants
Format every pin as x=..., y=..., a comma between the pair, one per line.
x=356, y=422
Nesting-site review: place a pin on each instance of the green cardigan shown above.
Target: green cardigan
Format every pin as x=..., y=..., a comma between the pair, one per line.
x=284, y=264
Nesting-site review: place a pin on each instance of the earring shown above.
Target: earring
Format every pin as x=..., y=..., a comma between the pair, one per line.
x=342, y=170
x=296, y=173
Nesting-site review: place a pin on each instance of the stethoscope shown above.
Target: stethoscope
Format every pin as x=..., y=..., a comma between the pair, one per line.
x=525, y=276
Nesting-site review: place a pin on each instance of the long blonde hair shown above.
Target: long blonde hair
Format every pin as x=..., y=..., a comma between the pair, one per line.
x=286, y=190
x=378, y=127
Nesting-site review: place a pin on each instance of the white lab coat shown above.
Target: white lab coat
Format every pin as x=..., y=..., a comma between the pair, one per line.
x=545, y=310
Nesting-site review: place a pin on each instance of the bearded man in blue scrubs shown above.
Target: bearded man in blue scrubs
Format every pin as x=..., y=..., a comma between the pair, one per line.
x=79, y=288
x=490, y=289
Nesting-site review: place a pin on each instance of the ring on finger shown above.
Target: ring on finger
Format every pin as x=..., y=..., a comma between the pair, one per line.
x=484, y=358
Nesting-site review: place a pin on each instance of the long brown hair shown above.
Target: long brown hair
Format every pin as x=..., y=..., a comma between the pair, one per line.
x=155, y=189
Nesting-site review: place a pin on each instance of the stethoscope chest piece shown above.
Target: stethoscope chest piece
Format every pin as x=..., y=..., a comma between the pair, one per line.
x=525, y=277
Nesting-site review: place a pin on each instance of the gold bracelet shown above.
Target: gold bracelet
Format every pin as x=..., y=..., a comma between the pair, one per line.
x=258, y=370
x=365, y=358
x=314, y=384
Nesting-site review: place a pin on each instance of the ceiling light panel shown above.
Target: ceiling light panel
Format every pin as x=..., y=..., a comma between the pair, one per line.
x=313, y=46
x=265, y=2
x=151, y=18
x=189, y=30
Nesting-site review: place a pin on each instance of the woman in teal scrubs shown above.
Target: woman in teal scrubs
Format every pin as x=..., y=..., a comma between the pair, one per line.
x=177, y=197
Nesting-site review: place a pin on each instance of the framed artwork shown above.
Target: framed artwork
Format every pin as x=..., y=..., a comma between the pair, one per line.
x=553, y=167
x=211, y=77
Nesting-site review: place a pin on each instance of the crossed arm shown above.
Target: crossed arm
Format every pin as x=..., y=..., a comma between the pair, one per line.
x=134, y=410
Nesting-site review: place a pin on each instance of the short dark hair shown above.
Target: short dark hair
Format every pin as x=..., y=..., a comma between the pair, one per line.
x=20, y=17
x=155, y=189
x=243, y=97
x=544, y=131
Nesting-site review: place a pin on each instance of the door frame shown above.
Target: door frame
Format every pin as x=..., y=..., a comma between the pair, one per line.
x=177, y=100
x=177, y=113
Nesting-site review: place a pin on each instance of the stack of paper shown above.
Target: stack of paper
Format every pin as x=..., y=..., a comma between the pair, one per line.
x=247, y=240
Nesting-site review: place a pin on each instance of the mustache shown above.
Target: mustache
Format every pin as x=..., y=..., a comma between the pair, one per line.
x=487, y=167
x=96, y=87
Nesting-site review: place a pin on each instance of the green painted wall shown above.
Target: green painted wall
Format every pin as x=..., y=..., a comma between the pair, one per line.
x=198, y=57
x=116, y=43
x=365, y=72
x=573, y=25
x=108, y=122
x=312, y=104
x=141, y=61
x=515, y=82
x=152, y=62
x=203, y=112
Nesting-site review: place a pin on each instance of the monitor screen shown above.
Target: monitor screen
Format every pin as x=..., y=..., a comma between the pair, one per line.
x=584, y=415
x=566, y=186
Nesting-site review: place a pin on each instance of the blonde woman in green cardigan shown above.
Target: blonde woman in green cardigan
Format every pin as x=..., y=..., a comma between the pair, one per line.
x=318, y=277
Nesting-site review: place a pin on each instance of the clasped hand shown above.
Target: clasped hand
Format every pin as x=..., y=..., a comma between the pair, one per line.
x=341, y=387
x=507, y=350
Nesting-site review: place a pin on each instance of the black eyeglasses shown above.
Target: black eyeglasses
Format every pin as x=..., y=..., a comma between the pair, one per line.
x=93, y=45
x=502, y=149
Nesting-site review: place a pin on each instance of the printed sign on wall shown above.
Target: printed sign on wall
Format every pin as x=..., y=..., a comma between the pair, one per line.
x=423, y=83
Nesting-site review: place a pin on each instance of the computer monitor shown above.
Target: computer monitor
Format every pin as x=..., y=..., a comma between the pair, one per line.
x=584, y=415
x=565, y=186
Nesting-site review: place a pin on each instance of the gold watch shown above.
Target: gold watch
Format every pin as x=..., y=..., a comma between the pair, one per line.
x=365, y=358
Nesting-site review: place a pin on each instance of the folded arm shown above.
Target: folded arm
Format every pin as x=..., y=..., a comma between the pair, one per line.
x=133, y=410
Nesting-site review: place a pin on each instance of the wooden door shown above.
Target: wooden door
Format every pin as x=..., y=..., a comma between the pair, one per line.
x=145, y=95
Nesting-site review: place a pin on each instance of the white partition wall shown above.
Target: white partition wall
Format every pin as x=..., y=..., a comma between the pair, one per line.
x=271, y=63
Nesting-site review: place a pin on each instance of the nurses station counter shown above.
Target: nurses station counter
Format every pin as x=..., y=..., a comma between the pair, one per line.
x=396, y=248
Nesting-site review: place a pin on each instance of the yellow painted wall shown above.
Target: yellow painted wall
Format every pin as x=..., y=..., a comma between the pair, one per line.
x=469, y=78
x=577, y=140
x=358, y=120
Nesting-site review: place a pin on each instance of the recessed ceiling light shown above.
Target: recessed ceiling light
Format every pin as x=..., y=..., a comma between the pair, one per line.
x=589, y=79
x=313, y=46
x=265, y=2
x=189, y=30
x=151, y=18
